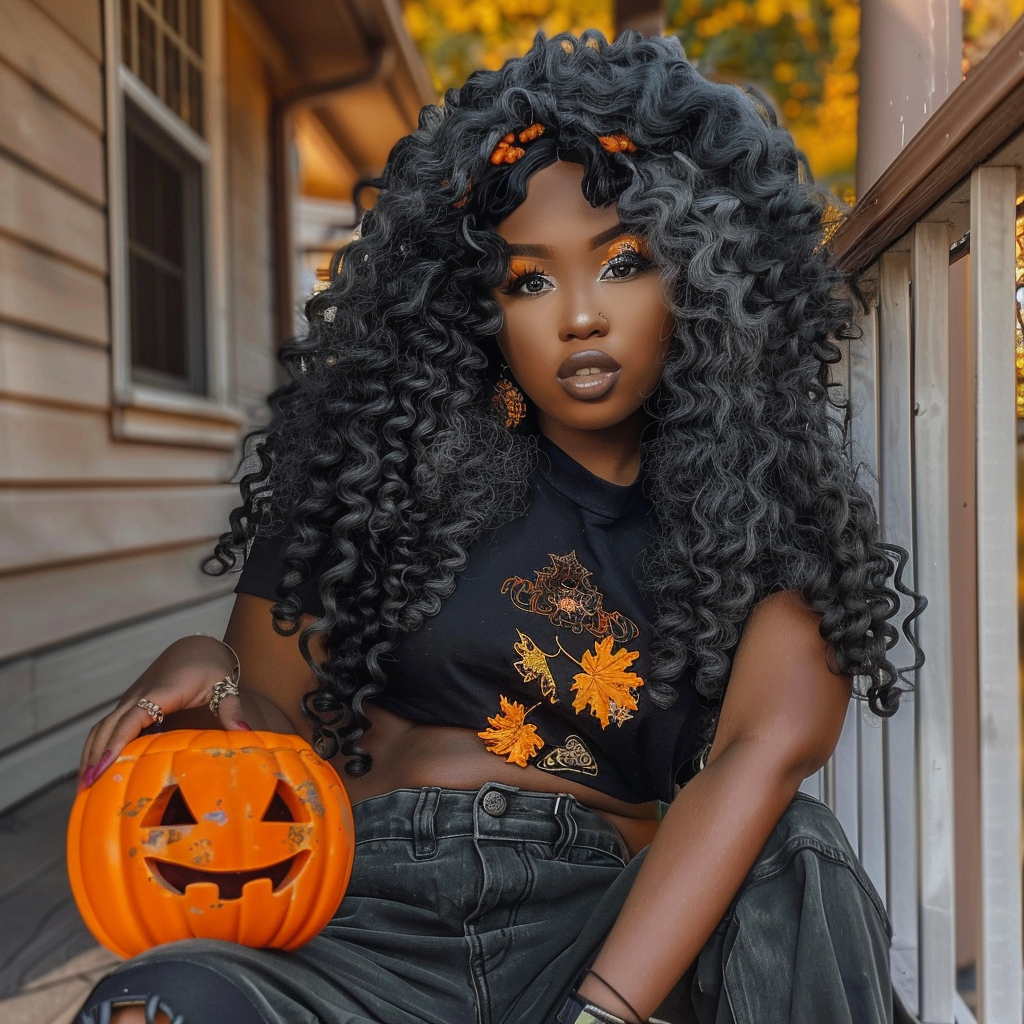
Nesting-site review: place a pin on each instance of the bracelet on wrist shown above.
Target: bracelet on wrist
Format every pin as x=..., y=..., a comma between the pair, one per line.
x=228, y=686
x=576, y=1010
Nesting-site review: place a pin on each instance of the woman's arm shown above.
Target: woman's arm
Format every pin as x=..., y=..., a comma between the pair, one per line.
x=781, y=719
x=273, y=678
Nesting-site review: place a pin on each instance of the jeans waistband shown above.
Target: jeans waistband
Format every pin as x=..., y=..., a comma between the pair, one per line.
x=495, y=812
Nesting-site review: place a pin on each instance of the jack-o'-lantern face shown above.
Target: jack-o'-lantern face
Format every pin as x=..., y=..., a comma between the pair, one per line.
x=236, y=835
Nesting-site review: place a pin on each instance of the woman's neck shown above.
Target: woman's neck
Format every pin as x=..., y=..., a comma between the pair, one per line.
x=612, y=454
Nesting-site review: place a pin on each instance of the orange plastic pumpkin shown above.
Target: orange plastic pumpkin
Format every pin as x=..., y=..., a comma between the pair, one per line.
x=244, y=836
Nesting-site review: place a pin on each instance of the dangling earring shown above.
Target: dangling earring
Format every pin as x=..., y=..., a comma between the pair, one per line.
x=508, y=401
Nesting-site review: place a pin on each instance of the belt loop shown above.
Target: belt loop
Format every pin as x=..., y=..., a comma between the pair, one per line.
x=424, y=838
x=567, y=827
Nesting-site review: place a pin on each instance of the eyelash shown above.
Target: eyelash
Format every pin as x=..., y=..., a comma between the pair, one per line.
x=514, y=286
x=628, y=260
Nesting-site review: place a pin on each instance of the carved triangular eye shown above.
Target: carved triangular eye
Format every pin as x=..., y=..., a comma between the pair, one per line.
x=283, y=806
x=169, y=808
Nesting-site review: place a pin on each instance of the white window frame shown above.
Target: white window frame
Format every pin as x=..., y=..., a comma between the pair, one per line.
x=143, y=411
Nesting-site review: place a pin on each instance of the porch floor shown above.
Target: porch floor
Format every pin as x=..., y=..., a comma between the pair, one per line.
x=48, y=960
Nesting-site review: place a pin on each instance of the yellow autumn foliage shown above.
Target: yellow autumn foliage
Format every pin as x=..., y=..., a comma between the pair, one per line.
x=458, y=36
x=801, y=53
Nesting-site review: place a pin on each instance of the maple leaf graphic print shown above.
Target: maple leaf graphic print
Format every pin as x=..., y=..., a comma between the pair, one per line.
x=605, y=686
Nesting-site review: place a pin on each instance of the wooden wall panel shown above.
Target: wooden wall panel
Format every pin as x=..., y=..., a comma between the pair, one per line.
x=251, y=279
x=49, y=294
x=39, y=444
x=46, y=607
x=16, y=692
x=56, y=525
x=82, y=676
x=41, y=368
x=36, y=211
x=76, y=684
x=35, y=45
x=37, y=129
x=81, y=19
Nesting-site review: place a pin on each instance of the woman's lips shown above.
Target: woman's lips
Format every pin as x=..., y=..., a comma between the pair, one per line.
x=588, y=375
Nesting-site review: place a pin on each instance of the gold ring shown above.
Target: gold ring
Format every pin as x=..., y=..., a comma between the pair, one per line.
x=151, y=709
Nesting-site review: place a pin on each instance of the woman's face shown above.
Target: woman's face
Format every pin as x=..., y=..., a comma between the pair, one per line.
x=585, y=329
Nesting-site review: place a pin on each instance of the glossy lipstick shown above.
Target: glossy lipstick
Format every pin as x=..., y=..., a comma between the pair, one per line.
x=588, y=375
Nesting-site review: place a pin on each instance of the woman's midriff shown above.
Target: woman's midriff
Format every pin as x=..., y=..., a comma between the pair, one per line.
x=407, y=755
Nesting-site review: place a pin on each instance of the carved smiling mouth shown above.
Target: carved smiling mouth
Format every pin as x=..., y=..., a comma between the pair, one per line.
x=588, y=375
x=178, y=877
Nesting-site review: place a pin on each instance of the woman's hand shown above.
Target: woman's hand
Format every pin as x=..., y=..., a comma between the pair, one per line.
x=274, y=676
x=181, y=678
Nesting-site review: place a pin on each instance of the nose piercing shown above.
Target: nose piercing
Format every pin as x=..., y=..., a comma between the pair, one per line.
x=603, y=317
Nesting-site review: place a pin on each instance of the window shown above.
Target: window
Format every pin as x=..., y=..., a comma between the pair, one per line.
x=165, y=258
x=162, y=42
x=166, y=168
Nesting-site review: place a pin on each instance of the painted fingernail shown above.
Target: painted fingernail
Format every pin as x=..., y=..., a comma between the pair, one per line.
x=107, y=757
x=86, y=779
x=245, y=726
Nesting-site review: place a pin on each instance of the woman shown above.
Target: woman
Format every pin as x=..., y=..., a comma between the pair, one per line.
x=514, y=639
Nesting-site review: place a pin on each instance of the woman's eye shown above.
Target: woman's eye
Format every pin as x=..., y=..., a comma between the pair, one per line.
x=530, y=282
x=623, y=267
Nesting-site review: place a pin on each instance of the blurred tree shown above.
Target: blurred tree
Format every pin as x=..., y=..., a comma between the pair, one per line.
x=985, y=23
x=801, y=53
x=458, y=36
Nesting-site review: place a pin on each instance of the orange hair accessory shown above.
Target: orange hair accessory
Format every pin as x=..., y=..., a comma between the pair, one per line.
x=617, y=143
x=506, y=152
x=460, y=203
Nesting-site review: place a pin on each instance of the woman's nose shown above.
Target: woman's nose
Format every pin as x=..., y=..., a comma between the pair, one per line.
x=582, y=320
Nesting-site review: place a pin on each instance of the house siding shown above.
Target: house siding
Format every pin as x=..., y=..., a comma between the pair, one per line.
x=100, y=539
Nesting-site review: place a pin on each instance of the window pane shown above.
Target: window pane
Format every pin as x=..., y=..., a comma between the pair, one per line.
x=157, y=308
x=147, y=48
x=171, y=14
x=126, y=32
x=195, y=98
x=165, y=247
x=172, y=76
x=194, y=26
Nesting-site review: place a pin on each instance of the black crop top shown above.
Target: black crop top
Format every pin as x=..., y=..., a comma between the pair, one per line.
x=542, y=648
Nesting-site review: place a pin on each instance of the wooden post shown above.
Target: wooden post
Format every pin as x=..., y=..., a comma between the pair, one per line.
x=646, y=16
x=909, y=64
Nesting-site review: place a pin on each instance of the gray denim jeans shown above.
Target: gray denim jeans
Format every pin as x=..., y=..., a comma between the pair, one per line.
x=484, y=907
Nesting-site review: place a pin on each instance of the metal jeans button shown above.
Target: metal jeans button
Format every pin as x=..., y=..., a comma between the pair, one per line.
x=494, y=803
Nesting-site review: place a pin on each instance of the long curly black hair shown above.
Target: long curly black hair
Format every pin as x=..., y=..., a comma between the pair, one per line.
x=385, y=461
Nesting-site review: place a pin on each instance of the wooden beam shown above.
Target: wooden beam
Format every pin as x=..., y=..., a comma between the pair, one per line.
x=645, y=16
x=981, y=114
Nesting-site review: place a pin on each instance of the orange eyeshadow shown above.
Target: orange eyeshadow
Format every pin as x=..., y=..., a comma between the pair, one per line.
x=632, y=245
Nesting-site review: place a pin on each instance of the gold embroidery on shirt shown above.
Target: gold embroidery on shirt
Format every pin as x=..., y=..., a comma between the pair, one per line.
x=572, y=757
x=533, y=664
x=509, y=736
x=563, y=592
x=604, y=685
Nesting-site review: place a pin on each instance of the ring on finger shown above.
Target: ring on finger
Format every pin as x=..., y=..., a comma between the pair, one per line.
x=151, y=709
x=226, y=687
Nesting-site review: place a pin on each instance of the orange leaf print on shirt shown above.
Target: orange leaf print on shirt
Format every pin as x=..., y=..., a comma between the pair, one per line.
x=604, y=685
x=509, y=736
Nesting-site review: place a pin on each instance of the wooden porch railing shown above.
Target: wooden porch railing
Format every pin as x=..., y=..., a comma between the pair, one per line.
x=932, y=798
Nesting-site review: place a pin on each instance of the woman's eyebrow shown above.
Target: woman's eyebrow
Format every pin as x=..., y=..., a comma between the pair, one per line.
x=545, y=252
x=538, y=251
x=608, y=236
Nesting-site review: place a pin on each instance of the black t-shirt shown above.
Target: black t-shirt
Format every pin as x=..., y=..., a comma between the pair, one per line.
x=542, y=647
